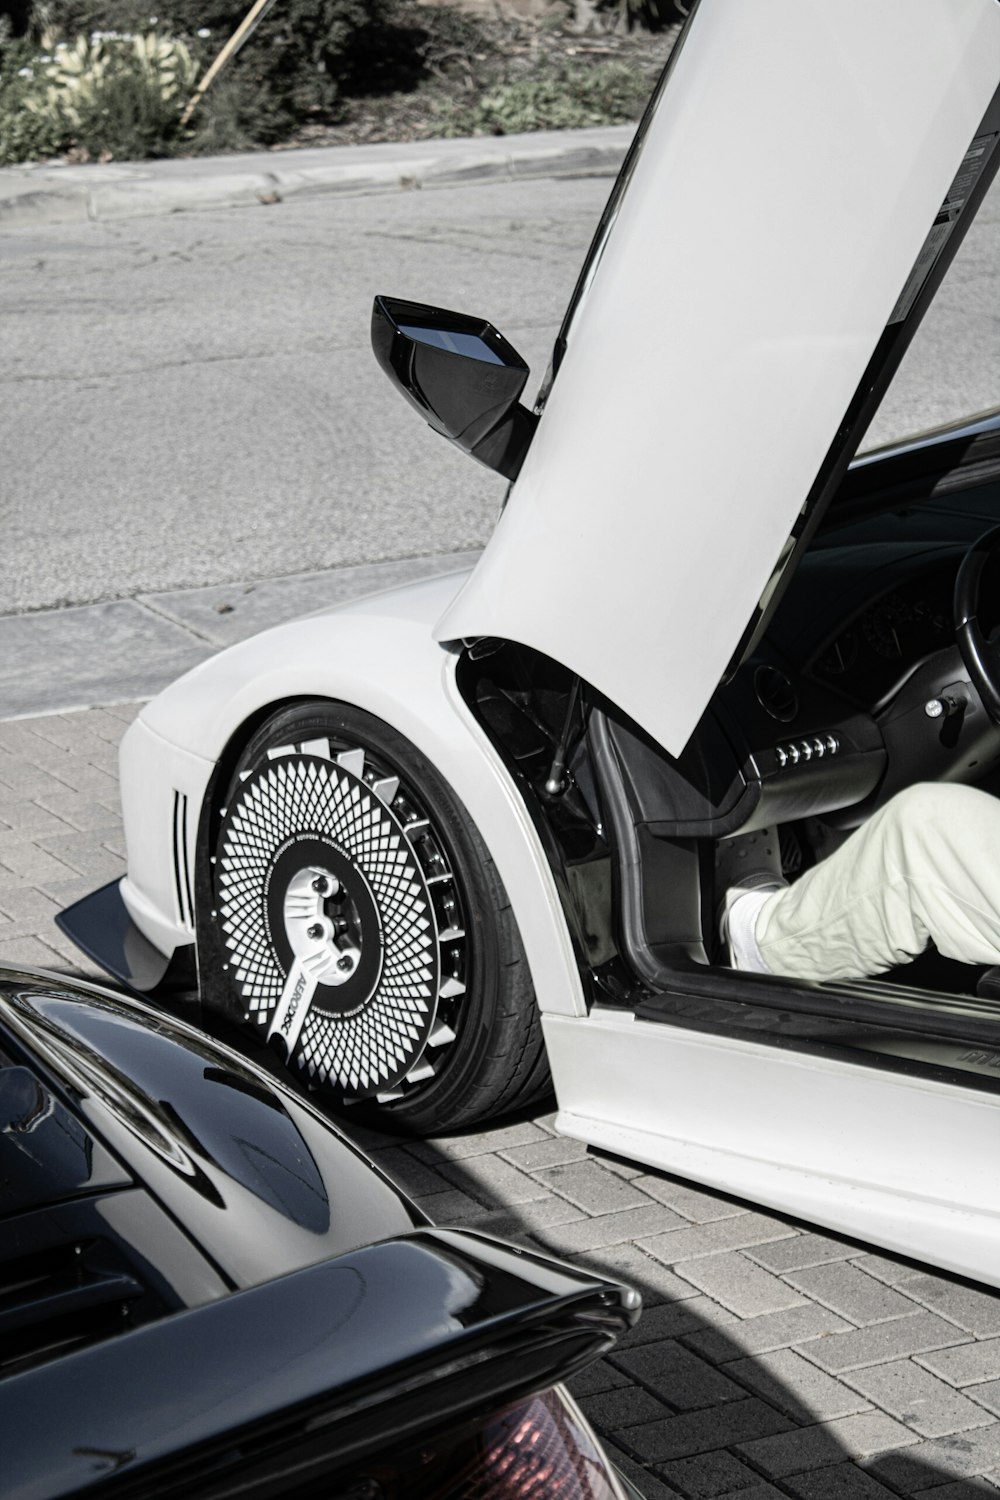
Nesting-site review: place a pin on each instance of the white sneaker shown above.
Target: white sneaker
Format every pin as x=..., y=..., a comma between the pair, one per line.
x=740, y=908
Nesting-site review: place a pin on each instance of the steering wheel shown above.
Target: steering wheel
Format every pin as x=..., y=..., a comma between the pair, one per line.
x=980, y=653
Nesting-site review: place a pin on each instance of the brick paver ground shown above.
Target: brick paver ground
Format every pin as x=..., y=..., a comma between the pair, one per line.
x=771, y=1359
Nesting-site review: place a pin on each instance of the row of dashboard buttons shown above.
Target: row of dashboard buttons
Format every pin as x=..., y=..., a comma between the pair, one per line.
x=815, y=749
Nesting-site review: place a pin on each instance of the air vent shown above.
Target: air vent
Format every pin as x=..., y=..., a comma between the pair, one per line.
x=59, y=1299
x=775, y=694
x=182, y=867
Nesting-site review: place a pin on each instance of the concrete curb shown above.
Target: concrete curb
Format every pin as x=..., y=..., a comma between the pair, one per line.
x=46, y=194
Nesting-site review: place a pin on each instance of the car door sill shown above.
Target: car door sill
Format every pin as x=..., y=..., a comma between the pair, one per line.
x=869, y=1022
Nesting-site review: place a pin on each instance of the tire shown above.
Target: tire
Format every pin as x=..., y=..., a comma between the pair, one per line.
x=365, y=929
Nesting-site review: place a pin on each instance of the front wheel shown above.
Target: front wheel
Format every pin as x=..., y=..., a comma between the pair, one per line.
x=365, y=930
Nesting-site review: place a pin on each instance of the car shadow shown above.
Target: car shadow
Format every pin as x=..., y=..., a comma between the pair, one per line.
x=701, y=1399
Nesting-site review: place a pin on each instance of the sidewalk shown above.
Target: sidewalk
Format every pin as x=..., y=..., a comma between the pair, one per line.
x=52, y=193
x=61, y=660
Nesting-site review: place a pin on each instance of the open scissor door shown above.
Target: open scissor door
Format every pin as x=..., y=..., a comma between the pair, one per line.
x=799, y=185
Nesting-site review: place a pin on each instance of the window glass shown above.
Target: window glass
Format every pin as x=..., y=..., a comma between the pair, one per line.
x=952, y=368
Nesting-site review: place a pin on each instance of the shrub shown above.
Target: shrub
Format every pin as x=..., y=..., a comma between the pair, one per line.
x=416, y=43
x=104, y=83
x=15, y=16
x=555, y=97
x=295, y=64
x=24, y=134
x=107, y=94
x=303, y=50
x=231, y=117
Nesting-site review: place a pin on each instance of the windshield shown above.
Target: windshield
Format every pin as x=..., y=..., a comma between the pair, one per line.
x=952, y=368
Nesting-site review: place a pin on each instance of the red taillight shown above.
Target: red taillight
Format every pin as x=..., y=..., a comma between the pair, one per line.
x=541, y=1450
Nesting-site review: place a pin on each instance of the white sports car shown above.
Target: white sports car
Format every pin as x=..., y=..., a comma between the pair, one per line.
x=452, y=841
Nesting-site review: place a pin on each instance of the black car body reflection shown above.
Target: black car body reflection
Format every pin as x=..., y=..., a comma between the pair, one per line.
x=206, y=1289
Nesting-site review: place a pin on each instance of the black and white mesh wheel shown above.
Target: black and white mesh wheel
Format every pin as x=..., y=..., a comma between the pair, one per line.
x=339, y=917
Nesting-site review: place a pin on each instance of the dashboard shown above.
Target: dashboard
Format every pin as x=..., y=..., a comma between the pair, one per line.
x=866, y=657
x=865, y=685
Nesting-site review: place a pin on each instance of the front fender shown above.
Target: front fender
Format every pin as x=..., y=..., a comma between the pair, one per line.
x=380, y=655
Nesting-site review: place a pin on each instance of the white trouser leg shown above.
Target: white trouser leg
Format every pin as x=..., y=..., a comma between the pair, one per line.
x=927, y=865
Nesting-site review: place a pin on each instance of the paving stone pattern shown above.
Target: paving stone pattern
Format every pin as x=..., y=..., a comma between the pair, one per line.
x=770, y=1360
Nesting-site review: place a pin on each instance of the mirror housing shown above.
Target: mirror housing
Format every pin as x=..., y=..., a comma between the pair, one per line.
x=461, y=375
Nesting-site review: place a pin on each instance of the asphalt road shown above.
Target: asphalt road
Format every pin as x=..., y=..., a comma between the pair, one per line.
x=192, y=399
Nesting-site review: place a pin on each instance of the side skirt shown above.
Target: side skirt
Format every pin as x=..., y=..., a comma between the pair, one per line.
x=896, y=1158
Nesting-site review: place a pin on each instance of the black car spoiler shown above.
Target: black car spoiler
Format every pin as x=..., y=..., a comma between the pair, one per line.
x=307, y=1376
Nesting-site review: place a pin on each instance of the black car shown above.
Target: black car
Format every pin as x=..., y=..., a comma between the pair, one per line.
x=207, y=1290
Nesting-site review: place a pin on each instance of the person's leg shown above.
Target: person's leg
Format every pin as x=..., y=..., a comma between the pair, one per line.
x=927, y=865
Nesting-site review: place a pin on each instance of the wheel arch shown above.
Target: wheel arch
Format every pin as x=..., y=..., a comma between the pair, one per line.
x=377, y=655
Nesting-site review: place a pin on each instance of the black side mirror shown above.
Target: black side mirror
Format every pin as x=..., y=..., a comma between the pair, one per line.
x=461, y=375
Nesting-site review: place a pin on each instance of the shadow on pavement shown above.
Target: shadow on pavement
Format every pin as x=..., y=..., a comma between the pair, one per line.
x=698, y=1402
